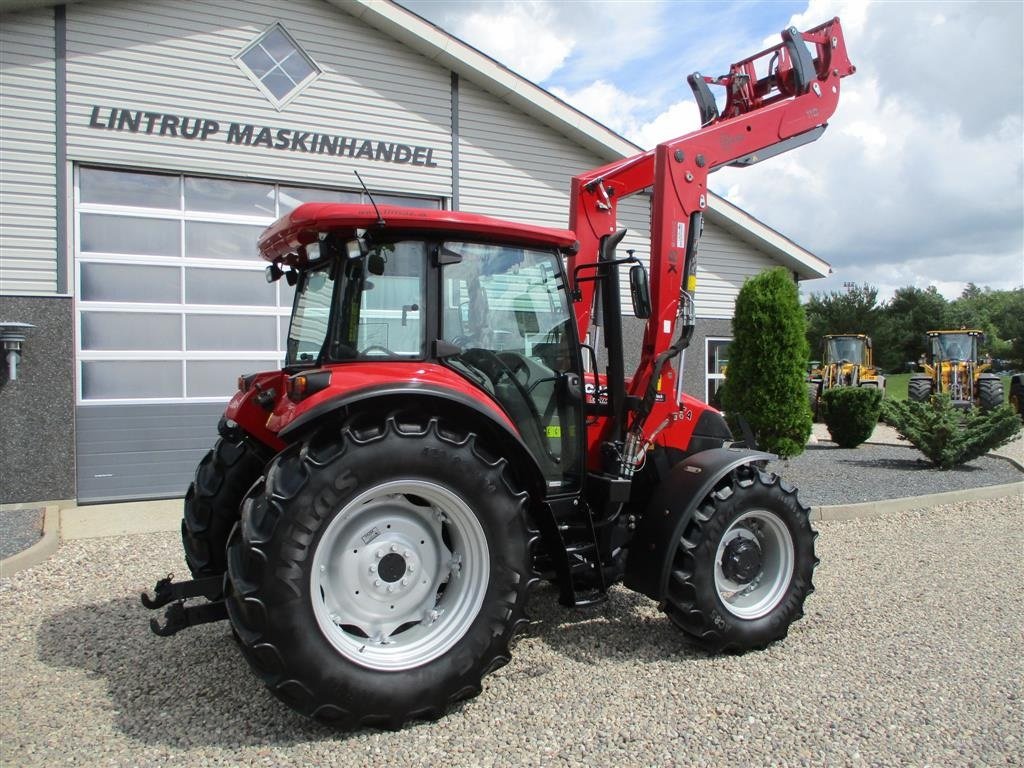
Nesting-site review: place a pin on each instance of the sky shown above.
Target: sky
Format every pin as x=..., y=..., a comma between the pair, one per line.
x=919, y=179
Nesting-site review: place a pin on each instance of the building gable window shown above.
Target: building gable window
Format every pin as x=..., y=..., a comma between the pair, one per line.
x=278, y=66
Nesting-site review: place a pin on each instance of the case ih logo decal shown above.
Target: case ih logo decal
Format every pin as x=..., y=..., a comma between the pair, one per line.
x=248, y=135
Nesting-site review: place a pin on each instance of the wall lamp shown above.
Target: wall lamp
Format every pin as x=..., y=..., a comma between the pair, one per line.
x=11, y=337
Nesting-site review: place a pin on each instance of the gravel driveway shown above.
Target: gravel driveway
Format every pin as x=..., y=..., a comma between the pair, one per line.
x=911, y=653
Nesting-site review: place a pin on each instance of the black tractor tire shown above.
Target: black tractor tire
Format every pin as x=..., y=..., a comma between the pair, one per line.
x=755, y=511
x=990, y=392
x=213, y=501
x=339, y=521
x=1017, y=394
x=919, y=389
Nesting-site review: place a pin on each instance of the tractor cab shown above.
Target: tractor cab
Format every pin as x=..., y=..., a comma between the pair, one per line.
x=431, y=297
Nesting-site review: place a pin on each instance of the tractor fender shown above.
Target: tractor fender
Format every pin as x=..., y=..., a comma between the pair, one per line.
x=489, y=423
x=671, y=509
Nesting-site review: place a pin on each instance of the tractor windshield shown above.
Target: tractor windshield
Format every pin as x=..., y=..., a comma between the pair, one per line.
x=954, y=346
x=363, y=308
x=506, y=309
x=846, y=349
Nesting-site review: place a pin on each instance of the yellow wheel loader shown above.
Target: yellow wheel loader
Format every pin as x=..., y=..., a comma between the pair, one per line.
x=956, y=370
x=847, y=362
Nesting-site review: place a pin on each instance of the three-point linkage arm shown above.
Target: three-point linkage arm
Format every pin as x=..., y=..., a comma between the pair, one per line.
x=777, y=99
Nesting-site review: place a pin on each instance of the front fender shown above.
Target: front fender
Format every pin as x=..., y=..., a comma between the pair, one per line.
x=671, y=509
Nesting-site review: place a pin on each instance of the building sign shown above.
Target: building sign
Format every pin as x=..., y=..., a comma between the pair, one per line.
x=265, y=137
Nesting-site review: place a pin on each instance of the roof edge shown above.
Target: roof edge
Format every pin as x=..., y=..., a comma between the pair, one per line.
x=735, y=220
x=445, y=49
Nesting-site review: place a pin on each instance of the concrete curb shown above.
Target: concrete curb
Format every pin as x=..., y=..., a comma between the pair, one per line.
x=890, y=506
x=38, y=552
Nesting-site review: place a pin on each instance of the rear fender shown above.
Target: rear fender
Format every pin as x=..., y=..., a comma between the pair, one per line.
x=490, y=424
x=670, y=511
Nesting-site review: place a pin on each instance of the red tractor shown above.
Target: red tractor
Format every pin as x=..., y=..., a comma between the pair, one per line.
x=375, y=514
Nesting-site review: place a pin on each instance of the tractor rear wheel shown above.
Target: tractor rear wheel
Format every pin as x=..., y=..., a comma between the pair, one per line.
x=744, y=565
x=919, y=388
x=213, y=501
x=377, y=575
x=990, y=392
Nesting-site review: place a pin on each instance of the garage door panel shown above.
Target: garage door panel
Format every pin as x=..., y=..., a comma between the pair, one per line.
x=141, y=451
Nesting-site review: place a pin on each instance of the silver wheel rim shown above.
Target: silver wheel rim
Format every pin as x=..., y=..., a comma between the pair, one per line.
x=759, y=596
x=399, y=575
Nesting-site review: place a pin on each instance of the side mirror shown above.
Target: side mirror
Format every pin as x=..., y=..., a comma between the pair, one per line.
x=640, y=291
x=375, y=263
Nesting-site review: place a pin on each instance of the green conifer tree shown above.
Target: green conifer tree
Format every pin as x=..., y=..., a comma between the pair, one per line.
x=766, y=379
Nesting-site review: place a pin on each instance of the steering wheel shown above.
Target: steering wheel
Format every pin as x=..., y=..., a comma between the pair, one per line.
x=496, y=368
x=516, y=363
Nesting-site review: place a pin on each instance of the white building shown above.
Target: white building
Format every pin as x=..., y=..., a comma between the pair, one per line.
x=143, y=146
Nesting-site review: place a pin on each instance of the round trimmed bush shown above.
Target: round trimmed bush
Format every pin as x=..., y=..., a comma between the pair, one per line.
x=851, y=413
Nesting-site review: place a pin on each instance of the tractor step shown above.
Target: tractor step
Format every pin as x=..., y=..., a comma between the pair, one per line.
x=179, y=616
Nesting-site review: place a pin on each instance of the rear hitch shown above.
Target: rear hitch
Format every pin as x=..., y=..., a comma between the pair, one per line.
x=178, y=616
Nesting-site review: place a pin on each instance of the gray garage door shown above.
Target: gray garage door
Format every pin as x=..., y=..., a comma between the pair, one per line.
x=172, y=307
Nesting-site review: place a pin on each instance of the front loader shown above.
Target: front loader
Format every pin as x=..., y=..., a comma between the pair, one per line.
x=375, y=514
x=847, y=362
x=956, y=370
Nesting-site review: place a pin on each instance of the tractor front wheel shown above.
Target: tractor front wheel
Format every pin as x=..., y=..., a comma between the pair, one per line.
x=919, y=389
x=990, y=392
x=379, y=574
x=744, y=565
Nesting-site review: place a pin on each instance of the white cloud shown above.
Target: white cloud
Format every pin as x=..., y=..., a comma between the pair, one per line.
x=520, y=35
x=678, y=119
x=919, y=179
x=606, y=104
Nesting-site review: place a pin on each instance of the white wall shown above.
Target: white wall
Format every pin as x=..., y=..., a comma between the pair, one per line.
x=723, y=263
x=28, y=209
x=174, y=57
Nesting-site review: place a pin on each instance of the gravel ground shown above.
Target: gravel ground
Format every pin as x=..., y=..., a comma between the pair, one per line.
x=19, y=529
x=910, y=654
x=826, y=474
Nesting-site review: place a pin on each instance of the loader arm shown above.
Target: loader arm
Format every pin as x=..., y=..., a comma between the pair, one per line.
x=777, y=100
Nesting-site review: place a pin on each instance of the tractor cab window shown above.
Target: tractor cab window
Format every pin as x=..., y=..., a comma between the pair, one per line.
x=366, y=307
x=310, y=317
x=506, y=309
